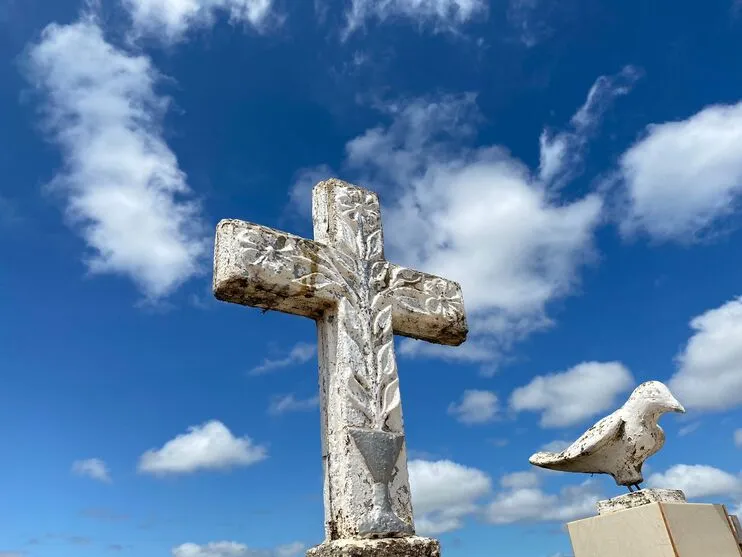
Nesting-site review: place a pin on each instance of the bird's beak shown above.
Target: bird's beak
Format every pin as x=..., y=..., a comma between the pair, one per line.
x=677, y=407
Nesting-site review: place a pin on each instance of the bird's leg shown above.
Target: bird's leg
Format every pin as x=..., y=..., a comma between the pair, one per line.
x=639, y=487
x=630, y=490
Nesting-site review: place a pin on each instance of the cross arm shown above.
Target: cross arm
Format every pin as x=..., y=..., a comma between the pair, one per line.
x=427, y=307
x=266, y=268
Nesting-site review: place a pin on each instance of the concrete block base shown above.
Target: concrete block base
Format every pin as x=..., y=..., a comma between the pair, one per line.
x=656, y=530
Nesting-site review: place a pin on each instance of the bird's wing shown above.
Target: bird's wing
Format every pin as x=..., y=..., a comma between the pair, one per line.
x=610, y=427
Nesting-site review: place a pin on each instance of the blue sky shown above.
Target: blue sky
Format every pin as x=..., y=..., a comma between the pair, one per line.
x=576, y=166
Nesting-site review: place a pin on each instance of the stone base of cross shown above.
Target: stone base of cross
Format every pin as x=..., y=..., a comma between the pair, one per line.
x=413, y=546
x=359, y=301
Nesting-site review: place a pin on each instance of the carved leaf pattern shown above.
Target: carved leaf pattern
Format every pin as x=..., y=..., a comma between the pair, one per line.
x=374, y=245
x=391, y=398
x=383, y=319
x=374, y=389
x=359, y=396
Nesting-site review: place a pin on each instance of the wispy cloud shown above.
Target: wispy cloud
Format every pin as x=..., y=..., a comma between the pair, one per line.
x=170, y=20
x=439, y=15
x=93, y=468
x=301, y=353
x=289, y=403
x=121, y=183
x=234, y=549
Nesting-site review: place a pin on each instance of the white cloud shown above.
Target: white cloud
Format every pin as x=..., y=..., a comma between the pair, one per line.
x=556, y=446
x=698, y=481
x=524, y=501
x=738, y=437
x=477, y=216
x=526, y=17
x=93, y=468
x=210, y=446
x=289, y=549
x=520, y=480
x=476, y=407
x=289, y=403
x=234, y=549
x=123, y=189
x=572, y=396
x=688, y=429
x=440, y=15
x=709, y=375
x=443, y=493
x=170, y=20
x=682, y=177
x=300, y=353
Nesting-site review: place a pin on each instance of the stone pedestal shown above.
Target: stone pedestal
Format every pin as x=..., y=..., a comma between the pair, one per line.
x=390, y=547
x=640, y=498
x=655, y=529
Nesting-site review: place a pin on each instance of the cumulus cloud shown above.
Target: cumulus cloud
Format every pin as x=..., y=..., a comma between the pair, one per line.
x=682, y=177
x=444, y=493
x=476, y=216
x=524, y=501
x=698, y=481
x=210, y=446
x=570, y=397
x=476, y=407
x=289, y=403
x=170, y=20
x=94, y=468
x=121, y=183
x=300, y=353
x=234, y=549
x=440, y=15
x=709, y=375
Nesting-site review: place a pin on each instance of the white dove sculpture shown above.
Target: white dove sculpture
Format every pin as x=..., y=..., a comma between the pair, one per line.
x=620, y=443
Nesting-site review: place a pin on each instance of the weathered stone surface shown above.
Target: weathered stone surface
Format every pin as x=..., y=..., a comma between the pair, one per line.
x=391, y=547
x=639, y=498
x=359, y=301
x=620, y=443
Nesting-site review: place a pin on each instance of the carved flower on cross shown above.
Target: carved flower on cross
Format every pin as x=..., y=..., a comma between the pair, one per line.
x=261, y=249
x=358, y=205
x=443, y=297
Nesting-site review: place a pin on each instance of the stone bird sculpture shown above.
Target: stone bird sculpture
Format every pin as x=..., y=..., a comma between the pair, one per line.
x=620, y=443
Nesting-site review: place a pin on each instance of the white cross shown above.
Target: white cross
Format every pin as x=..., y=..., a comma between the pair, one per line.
x=359, y=301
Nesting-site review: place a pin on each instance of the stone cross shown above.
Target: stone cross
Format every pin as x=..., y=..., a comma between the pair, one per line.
x=359, y=301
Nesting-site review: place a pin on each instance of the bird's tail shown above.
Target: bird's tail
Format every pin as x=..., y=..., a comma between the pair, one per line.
x=545, y=459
